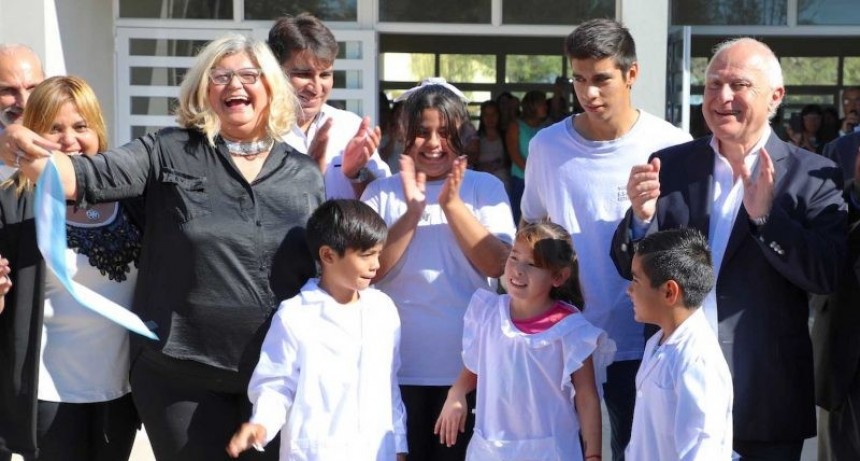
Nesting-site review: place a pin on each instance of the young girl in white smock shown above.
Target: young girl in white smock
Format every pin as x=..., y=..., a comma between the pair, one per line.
x=540, y=361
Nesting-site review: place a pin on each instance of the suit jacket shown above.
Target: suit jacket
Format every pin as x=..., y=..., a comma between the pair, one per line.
x=836, y=333
x=843, y=151
x=762, y=287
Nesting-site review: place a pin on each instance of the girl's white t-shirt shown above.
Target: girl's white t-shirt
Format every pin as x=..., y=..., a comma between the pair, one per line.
x=433, y=281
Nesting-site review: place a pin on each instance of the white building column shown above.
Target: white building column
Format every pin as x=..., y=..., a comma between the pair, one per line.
x=648, y=21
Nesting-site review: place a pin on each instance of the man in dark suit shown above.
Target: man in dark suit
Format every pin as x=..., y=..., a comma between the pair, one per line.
x=836, y=341
x=775, y=220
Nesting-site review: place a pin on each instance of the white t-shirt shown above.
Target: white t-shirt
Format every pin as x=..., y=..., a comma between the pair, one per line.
x=582, y=185
x=524, y=407
x=327, y=378
x=433, y=281
x=84, y=356
x=683, y=397
x=344, y=126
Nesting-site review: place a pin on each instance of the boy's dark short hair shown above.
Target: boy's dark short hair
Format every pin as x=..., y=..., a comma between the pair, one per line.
x=681, y=255
x=345, y=225
x=599, y=39
x=295, y=34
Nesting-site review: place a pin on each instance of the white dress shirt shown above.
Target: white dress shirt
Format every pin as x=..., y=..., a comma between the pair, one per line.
x=344, y=127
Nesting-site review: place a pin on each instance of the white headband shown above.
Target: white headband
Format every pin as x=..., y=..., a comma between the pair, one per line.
x=432, y=81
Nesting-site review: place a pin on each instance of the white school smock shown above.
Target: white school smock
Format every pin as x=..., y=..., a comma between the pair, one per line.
x=327, y=378
x=524, y=407
x=433, y=281
x=683, y=398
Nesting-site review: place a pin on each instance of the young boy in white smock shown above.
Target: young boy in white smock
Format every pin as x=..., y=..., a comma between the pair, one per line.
x=327, y=372
x=683, y=388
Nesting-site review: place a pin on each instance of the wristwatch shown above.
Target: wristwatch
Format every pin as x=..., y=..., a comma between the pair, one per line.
x=363, y=176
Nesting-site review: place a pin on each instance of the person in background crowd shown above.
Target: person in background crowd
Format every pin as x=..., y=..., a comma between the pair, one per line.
x=224, y=242
x=20, y=72
x=835, y=338
x=517, y=138
x=491, y=151
x=342, y=143
x=850, y=110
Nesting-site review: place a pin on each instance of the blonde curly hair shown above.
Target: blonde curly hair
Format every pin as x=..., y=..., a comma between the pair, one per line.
x=195, y=112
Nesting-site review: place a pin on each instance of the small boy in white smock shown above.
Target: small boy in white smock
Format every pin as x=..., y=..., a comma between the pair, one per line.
x=327, y=372
x=683, y=388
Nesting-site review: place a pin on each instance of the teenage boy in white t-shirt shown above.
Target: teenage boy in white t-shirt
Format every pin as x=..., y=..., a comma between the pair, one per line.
x=684, y=387
x=577, y=177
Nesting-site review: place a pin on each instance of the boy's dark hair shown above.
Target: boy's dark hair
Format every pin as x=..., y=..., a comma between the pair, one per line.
x=294, y=34
x=681, y=255
x=552, y=249
x=452, y=112
x=599, y=39
x=345, y=225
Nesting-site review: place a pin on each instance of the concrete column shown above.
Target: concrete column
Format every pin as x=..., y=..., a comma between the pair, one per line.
x=648, y=21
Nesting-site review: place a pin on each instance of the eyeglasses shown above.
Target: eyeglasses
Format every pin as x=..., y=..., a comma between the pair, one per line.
x=247, y=76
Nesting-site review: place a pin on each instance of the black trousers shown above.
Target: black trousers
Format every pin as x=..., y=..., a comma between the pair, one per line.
x=423, y=405
x=191, y=411
x=102, y=431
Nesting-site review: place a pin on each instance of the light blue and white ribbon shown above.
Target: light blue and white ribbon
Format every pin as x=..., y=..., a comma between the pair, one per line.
x=51, y=236
x=432, y=81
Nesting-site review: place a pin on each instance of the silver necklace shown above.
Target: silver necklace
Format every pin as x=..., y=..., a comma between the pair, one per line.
x=249, y=148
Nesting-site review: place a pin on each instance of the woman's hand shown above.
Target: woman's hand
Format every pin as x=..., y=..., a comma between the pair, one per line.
x=19, y=144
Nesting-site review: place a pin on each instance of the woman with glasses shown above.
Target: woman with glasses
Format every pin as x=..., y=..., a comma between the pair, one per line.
x=226, y=205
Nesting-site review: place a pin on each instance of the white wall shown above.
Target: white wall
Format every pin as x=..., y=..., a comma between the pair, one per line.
x=87, y=37
x=70, y=36
x=648, y=22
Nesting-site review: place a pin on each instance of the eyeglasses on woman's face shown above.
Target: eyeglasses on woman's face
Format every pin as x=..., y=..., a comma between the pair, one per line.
x=247, y=76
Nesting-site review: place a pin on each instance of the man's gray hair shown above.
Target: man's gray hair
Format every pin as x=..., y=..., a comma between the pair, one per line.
x=770, y=63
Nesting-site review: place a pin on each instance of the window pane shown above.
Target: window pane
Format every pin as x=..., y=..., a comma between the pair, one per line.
x=472, y=68
x=177, y=9
x=349, y=79
x=167, y=76
x=327, y=10
x=697, y=71
x=165, y=47
x=408, y=67
x=809, y=71
x=831, y=12
x=349, y=50
x=851, y=71
x=445, y=11
x=800, y=100
x=564, y=12
x=532, y=69
x=729, y=12
x=154, y=105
